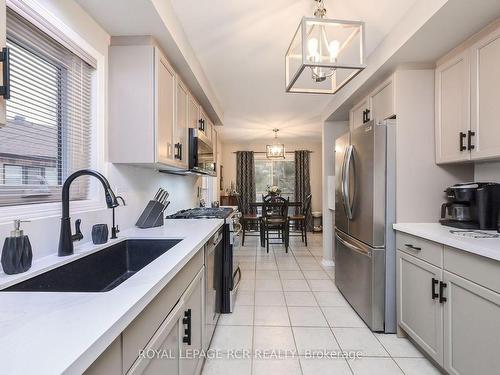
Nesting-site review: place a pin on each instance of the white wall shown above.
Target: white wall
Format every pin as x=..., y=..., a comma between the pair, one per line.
x=331, y=131
x=420, y=182
x=487, y=172
x=229, y=163
x=136, y=185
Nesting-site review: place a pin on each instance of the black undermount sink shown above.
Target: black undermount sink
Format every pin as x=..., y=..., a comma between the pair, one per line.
x=101, y=271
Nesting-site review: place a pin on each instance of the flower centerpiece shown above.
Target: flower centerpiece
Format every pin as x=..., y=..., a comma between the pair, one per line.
x=273, y=190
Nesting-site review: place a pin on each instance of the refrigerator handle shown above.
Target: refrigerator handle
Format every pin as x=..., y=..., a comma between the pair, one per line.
x=347, y=171
x=343, y=184
x=353, y=247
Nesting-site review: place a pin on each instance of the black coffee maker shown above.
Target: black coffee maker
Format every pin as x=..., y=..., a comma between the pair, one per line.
x=474, y=205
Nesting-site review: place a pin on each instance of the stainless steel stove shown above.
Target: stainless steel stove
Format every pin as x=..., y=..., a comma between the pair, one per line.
x=230, y=276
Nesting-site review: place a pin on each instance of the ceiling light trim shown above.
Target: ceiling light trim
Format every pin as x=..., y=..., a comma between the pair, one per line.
x=312, y=53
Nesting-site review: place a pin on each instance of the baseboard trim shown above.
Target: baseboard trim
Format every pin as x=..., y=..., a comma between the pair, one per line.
x=327, y=263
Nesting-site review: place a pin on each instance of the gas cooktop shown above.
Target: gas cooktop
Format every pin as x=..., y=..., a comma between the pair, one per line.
x=203, y=213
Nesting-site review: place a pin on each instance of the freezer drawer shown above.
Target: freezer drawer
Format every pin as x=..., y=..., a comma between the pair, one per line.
x=359, y=275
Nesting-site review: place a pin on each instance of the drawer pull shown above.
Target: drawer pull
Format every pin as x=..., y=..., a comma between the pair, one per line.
x=442, y=298
x=434, y=284
x=186, y=321
x=410, y=246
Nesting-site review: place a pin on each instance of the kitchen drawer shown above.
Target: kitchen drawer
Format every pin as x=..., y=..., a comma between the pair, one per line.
x=139, y=332
x=426, y=250
x=478, y=269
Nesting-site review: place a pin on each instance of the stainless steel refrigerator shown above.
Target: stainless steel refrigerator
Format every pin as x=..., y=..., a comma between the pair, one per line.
x=365, y=260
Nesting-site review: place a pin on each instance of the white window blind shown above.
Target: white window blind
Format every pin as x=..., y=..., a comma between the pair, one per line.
x=48, y=131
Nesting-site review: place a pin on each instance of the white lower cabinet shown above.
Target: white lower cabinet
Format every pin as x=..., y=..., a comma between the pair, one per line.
x=419, y=311
x=161, y=355
x=454, y=318
x=175, y=347
x=167, y=336
x=472, y=327
x=191, y=342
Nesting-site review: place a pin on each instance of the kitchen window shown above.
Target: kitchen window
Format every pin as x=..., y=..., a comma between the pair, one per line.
x=48, y=131
x=279, y=173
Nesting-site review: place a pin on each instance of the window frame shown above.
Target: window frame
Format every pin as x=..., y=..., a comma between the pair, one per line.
x=258, y=193
x=47, y=22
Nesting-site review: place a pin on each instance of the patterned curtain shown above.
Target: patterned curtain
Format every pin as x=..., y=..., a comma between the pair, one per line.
x=245, y=180
x=302, y=182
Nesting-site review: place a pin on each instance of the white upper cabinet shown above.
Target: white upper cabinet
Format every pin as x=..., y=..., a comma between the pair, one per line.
x=165, y=89
x=181, y=130
x=360, y=113
x=151, y=109
x=378, y=105
x=467, y=92
x=2, y=64
x=193, y=113
x=382, y=101
x=453, y=109
x=142, y=94
x=485, y=86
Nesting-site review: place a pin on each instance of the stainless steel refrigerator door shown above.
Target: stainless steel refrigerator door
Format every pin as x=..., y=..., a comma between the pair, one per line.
x=366, y=169
x=359, y=275
x=341, y=147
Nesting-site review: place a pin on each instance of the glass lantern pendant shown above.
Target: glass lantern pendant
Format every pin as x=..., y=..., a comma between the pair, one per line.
x=276, y=150
x=325, y=54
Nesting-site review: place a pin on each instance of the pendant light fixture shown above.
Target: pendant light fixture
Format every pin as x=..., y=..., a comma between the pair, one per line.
x=325, y=54
x=276, y=150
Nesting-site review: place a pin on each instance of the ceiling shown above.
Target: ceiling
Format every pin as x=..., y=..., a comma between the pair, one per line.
x=241, y=46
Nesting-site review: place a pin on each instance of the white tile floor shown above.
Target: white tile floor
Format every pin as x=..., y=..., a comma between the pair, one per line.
x=288, y=307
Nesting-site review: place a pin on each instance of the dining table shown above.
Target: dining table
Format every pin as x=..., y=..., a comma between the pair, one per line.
x=290, y=204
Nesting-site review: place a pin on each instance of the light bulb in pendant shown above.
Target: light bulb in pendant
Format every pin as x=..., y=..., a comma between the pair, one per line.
x=334, y=48
x=312, y=47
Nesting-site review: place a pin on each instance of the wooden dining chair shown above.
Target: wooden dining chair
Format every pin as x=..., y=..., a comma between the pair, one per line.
x=300, y=221
x=250, y=222
x=275, y=219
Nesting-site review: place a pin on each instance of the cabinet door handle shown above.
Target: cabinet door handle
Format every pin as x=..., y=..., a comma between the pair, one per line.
x=186, y=321
x=364, y=116
x=410, y=246
x=367, y=115
x=442, y=298
x=461, y=140
x=178, y=151
x=470, y=134
x=435, y=282
x=5, y=60
x=200, y=125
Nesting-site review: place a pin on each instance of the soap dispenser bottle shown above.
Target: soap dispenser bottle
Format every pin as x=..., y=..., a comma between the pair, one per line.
x=16, y=253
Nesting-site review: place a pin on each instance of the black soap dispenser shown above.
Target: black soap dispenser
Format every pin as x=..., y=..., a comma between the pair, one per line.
x=16, y=254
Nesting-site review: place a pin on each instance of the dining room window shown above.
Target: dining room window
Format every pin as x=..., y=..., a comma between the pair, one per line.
x=48, y=132
x=279, y=173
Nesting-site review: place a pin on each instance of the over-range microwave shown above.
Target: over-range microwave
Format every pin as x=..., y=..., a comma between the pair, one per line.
x=201, y=153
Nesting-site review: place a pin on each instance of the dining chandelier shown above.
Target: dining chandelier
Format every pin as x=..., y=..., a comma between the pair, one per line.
x=325, y=54
x=276, y=150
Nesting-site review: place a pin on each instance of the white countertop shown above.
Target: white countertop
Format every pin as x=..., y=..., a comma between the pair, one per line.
x=487, y=247
x=53, y=333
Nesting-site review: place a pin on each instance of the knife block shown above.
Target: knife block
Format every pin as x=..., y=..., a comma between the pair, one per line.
x=152, y=216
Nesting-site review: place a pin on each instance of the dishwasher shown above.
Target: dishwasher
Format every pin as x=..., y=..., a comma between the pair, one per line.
x=213, y=283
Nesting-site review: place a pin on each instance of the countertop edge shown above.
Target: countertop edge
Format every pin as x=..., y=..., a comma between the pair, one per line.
x=488, y=248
